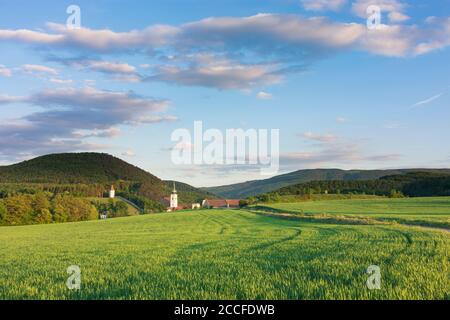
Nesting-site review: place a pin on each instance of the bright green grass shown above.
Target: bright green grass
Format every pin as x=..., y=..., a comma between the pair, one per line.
x=431, y=211
x=222, y=255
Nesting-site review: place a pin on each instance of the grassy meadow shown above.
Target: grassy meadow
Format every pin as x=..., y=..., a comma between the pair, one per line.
x=225, y=254
x=433, y=211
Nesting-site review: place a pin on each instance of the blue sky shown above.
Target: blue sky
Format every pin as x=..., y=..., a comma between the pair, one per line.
x=342, y=95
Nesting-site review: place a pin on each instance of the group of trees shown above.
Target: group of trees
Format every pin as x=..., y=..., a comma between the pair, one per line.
x=375, y=187
x=40, y=203
x=112, y=209
x=41, y=208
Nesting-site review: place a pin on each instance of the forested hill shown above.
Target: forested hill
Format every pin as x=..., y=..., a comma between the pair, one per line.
x=92, y=169
x=69, y=168
x=412, y=184
x=252, y=188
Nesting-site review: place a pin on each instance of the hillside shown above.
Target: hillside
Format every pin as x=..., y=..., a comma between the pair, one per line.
x=252, y=188
x=88, y=169
x=411, y=184
x=68, y=168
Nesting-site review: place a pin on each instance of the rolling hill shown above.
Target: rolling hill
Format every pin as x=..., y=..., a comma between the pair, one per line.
x=92, y=168
x=255, y=187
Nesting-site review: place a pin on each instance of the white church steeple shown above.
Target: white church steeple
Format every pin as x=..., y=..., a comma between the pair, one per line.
x=174, y=198
x=112, y=192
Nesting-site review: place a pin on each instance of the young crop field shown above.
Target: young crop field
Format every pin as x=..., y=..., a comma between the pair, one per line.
x=421, y=211
x=222, y=254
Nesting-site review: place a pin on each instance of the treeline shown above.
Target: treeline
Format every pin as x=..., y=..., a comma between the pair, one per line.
x=77, y=190
x=43, y=208
x=413, y=184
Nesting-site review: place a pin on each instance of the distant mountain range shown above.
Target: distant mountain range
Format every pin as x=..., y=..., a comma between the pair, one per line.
x=94, y=168
x=255, y=187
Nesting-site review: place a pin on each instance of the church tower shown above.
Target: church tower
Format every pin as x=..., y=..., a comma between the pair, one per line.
x=174, y=198
x=112, y=193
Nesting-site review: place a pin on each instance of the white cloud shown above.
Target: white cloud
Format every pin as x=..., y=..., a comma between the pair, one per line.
x=156, y=119
x=4, y=71
x=119, y=70
x=29, y=36
x=262, y=31
x=393, y=8
x=319, y=137
x=264, y=95
x=398, y=17
x=203, y=52
x=129, y=153
x=70, y=115
x=111, y=67
x=428, y=100
x=436, y=36
x=36, y=68
x=270, y=36
x=333, y=154
x=321, y=5
x=212, y=71
x=108, y=133
x=61, y=81
x=6, y=99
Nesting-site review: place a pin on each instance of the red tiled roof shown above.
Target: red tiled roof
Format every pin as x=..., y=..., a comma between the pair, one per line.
x=223, y=203
x=217, y=203
x=233, y=202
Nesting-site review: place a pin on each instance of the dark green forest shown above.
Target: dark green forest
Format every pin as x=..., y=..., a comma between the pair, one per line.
x=411, y=184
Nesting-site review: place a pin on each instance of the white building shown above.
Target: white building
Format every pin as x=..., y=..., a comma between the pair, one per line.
x=174, y=198
x=112, y=193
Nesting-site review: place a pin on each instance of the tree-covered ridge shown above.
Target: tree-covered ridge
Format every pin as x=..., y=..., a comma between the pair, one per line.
x=253, y=188
x=413, y=184
x=69, y=168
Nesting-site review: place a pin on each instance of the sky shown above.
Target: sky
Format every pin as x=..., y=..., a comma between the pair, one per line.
x=343, y=92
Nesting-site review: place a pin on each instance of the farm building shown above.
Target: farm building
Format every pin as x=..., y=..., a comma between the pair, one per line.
x=220, y=203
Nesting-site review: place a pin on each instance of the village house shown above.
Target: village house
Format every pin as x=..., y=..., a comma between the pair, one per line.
x=220, y=203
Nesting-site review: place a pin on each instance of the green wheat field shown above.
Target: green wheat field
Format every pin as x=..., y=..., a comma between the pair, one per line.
x=234, y=254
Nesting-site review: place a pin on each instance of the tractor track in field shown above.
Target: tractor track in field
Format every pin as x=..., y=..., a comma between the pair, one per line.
x=291, y=216
x=297, y=233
